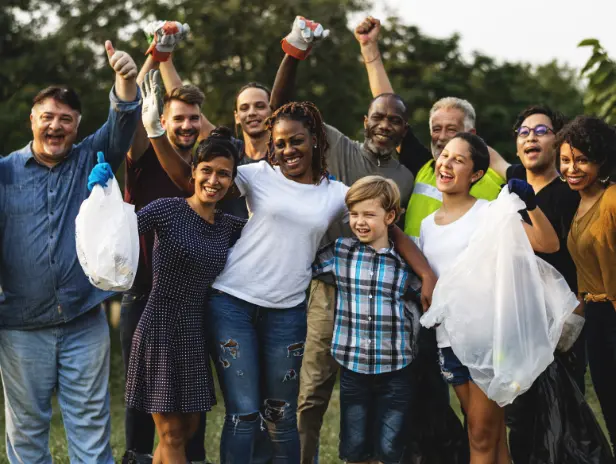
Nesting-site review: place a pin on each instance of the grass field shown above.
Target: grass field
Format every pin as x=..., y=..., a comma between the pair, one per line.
x=329, y=433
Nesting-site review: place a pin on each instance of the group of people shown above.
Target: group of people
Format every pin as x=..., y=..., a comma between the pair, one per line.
x=277, y=255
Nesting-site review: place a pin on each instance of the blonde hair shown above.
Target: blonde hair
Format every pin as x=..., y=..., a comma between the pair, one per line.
x=373, y=187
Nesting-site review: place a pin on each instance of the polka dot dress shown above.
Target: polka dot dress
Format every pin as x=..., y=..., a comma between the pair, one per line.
x=169, y=368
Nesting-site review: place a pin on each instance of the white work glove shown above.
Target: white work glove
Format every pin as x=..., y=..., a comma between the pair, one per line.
x=163, y=37
x=571, y=331
x=303, y=35
x=151, y=109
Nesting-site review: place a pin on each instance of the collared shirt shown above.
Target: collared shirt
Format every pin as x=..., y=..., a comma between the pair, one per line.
x=42, y=280
x=373, y=331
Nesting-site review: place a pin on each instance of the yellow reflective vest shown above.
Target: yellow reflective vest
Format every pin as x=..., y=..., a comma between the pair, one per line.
x=426, y=198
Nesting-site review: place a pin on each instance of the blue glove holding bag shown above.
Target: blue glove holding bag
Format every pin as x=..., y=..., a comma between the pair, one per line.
x=101, y=172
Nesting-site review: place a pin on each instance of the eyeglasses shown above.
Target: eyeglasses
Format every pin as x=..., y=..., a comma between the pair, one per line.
x=540, y=130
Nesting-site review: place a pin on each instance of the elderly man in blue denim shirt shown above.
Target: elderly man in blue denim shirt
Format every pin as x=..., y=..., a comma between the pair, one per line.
x=53, y=333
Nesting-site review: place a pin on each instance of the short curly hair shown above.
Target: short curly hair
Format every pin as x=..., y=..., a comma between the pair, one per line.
x=593, y=137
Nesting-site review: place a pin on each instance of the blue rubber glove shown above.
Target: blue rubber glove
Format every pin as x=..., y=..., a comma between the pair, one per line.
x=101, y=172
x=525, y=191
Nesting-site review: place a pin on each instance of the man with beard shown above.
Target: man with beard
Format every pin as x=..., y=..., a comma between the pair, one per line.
x=147, y=181
x=55, y=336
x=348, y=160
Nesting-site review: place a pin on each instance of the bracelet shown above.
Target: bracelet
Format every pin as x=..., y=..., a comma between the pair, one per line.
x=378, y=55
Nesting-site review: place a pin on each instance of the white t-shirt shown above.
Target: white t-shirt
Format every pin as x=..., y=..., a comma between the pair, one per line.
x=271, y=264
x=441, y=245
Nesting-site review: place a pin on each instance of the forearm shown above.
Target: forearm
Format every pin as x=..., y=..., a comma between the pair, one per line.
x=542, y=235
x=407, y=249
x=149, y=64
x=284, y=84
x=170, y=75
x=377, y=76
x=176, y=168
x=125, y=89
x=498, y=163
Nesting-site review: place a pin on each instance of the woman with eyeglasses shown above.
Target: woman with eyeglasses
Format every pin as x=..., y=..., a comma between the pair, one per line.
x=587, y=148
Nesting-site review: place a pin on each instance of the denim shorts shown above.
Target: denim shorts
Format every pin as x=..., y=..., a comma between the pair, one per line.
x=453, y=371
x=374, y=412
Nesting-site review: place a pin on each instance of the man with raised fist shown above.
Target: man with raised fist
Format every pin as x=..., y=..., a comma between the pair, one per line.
x=54, y=334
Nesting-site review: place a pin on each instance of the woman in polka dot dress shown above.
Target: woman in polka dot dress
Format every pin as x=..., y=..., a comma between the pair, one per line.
x=169, y=374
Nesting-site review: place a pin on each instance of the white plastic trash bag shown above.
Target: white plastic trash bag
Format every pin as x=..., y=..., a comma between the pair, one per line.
x=502, y=307
x=107, y=238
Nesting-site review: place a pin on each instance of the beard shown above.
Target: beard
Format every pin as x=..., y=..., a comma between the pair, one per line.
x=380, y=151
x=436, y=151
x=185, y=146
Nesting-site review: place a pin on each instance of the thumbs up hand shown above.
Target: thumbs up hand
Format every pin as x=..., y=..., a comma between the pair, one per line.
x=121, y=62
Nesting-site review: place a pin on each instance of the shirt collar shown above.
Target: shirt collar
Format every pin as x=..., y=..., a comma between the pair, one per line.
x=383, y=251
x=27, y=155
x=378, y=160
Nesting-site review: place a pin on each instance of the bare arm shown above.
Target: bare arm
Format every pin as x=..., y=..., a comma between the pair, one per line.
x=178, y=170
x=498, y=163
x=417, y=261
x=367, y=34
x=541, y=234
x=172, y=80
x=140, y=140
x=284, y=84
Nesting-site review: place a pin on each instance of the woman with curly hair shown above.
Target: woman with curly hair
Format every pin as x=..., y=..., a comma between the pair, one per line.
x=257, y=312
x=587, y=147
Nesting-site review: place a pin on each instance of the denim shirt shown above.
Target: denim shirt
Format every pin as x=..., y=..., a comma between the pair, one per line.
x=42, y=280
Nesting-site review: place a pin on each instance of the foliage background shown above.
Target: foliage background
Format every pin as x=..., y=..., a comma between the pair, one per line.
x=235, y=41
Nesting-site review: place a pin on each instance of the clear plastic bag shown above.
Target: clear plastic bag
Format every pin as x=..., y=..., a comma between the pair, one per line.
x=107, y=238
x=502, y=307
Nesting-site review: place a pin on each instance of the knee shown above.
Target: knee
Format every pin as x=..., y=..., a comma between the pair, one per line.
x=483, y=435
x=173, y=436
x=279, y=413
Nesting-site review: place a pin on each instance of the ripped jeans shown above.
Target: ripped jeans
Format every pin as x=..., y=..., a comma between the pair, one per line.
x=258, y=359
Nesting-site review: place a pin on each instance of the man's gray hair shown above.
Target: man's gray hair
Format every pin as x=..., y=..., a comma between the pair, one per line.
x=457, y=104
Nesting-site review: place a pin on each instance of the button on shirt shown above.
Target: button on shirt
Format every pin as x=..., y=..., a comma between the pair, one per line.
x=41, y=277
x=373, y=329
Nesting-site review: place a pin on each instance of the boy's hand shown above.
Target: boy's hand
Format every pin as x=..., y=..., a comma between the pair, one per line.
x=163, y=37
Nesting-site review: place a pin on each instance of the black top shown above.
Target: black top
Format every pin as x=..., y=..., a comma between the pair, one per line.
x=413, y=154
x=235, y=205
x=559, y=203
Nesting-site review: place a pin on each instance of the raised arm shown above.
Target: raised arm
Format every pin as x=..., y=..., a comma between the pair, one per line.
x=297, y=46
x=178, y=170
x=140, y=140
x=367, y=34
x=417, y=261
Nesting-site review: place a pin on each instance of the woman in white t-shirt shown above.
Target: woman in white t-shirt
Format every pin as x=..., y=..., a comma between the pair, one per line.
x=257, y=311
x=444, y=235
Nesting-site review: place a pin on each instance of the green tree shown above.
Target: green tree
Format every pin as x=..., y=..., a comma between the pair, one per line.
x=600, y=70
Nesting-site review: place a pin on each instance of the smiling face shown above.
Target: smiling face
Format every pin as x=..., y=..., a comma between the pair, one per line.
x=444, y=125
x=252, y=110
x=369, y=221
x=455, y=169
x=54, y=129
x=537, y=153
x=182, y=121
x=385, y=125
x=293, y=149
x=577, y=169
x=213, y=179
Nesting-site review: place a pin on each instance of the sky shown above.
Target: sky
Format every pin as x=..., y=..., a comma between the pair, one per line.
x=534, y=31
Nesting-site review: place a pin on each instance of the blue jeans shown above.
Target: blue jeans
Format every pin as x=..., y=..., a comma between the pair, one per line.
x=73, y=360
x=259, y=353
x=374, y=414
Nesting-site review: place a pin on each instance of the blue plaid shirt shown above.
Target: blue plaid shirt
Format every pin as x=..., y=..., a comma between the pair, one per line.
x=42, y=280
x=375, y=330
